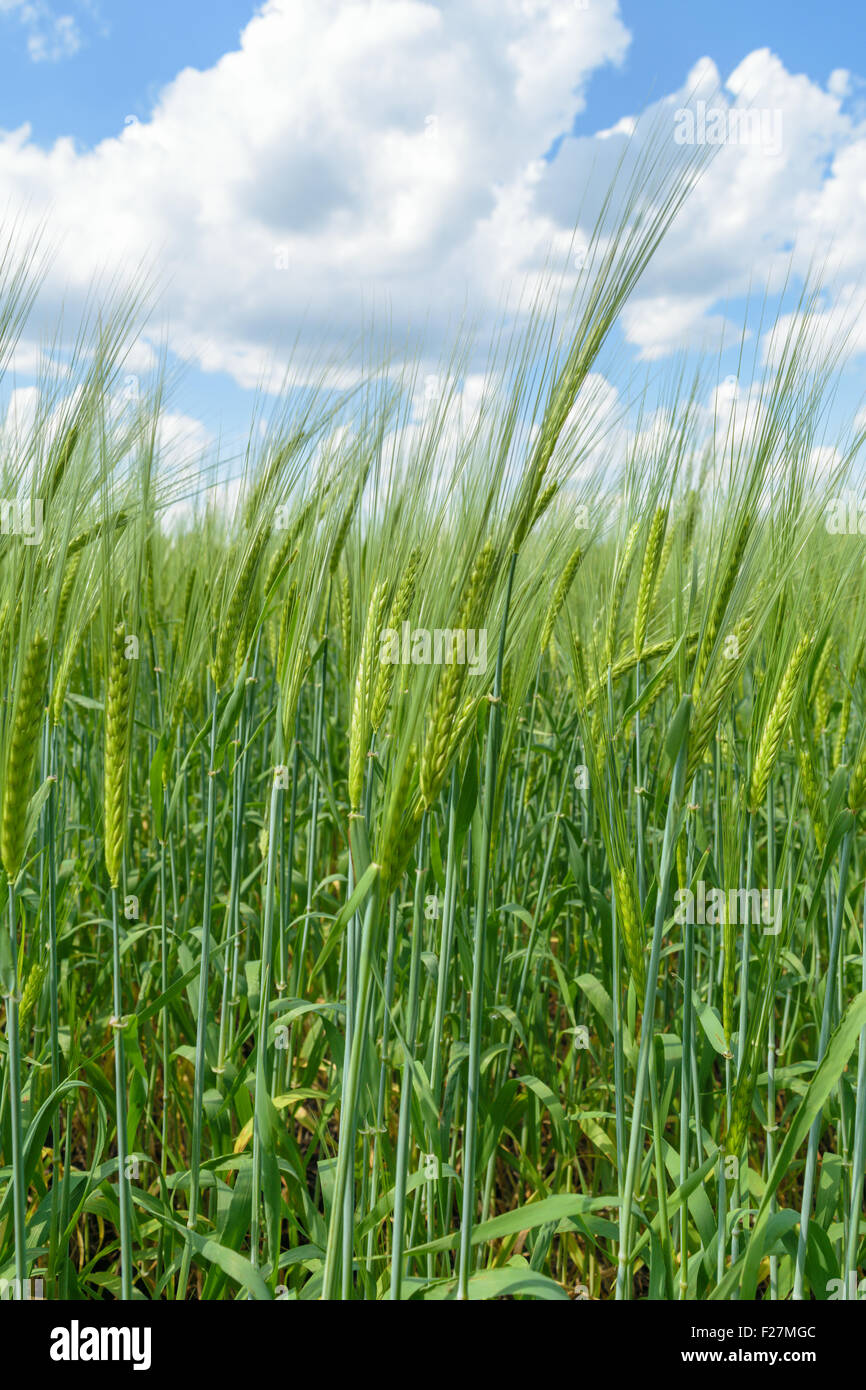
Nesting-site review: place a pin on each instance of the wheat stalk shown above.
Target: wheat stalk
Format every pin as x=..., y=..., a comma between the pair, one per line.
x=117, y=728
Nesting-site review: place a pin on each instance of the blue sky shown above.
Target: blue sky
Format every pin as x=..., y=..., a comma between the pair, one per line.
x=128, y=53
x=292, y=188
x=669, y=36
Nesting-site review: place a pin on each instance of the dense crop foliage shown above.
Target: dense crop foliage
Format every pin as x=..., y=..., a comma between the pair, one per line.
x=438, y=873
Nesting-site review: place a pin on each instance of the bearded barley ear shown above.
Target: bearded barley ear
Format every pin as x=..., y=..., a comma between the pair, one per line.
x=345, y=622
x=117, y=524
x=579, y=664
x=776, y=724
x=271, y=629
x=345, y=523
x=117, y=727
x=842, y=730
x=21, y=758
x=287, y=616
x=630, y=926
x=709, y=703
x=811, y=794
x=359, y=728
x=664, y=559
x=372, y=667
x=690, y=519
x=230, y=628
x=616, y=598
x=626, y=665
x=726, y=588
x=559, y=406
x=434, y=758
x=439, y=743
x=61, y=681
x=819, y=696
x=149, y=586
x=857, y=785
x=477, y=589
x=543, y=503
x=284, y=554
x=31, y=994
x=8, y=628
x=742, y=1105
x=463, y=721
x=648, y=577
x=599, y=743
x=819, y=670
x=187, y=595
x=823, y=702
x=400, y=610
x=560, y=594
x=245, y=637
x=402, y=826
x=69, y=576
x=184, y=696
x=63, y=451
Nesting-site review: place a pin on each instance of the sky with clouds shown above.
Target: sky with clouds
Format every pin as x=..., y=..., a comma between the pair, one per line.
x=302, y=169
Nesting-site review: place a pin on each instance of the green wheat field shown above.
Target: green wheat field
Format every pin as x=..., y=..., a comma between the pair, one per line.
x=435, y=872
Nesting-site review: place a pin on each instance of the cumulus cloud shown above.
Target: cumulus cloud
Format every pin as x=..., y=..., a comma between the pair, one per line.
x=389, y=160
x=352, y=158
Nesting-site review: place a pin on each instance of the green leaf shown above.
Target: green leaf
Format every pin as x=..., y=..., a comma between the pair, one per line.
x=504, y=1283
x=712, y=1026
x=156, y=787
x=233, y=1264
x=678, y=728
x=34, y=809
x=839, y=1049
x=364, y=885
x=648, y=693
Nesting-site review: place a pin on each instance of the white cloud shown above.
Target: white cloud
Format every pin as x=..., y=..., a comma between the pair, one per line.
x=381, y=160
x=182, y=438
x=50, y=36
x=21, y=413
x=352, y=159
